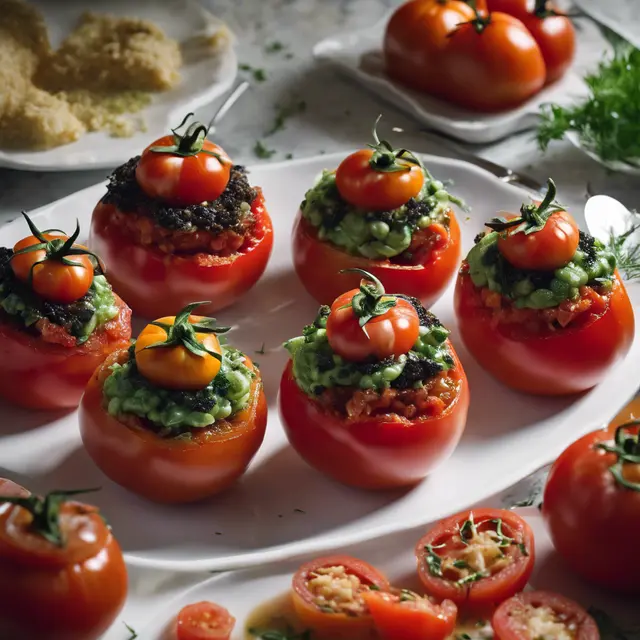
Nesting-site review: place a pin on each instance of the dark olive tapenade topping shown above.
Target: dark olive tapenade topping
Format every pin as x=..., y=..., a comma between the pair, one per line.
x=223, y=214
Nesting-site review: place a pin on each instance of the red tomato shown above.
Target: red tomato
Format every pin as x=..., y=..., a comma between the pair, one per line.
x=72, y=591
x=593, y=516
x=512, y=617
x=343, y=623
x=204, y=621
x=39, y=373
x=390, y=334
x=379, y=452
x=363, y=185
x=552, y=30
x=156, y=284
x=407, y=616
x=184, y=180
x=568, y=361
x=446, y=561
x=170, y=470
x=318, y=264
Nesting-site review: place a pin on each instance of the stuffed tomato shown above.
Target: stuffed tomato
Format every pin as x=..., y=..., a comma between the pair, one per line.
x=383, y=212
x=180, y=223
x=540, y=304
x=59, y=319
x=374, y=395
x=177, y=417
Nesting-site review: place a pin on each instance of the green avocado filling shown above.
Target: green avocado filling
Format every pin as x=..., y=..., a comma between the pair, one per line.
x=174, y=413
x=374, y=234
x=316, y=367
x=591, y=265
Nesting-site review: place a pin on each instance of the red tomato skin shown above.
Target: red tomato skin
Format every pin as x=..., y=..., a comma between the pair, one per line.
x=39, y=375
x=489, y=591
x=502, y=621
x=335, y=626
x=376, y=453
x=594, y=523
x=395, y=622
x=569, y=362
x=166, y=470
x=318, y=264
x=156, y=284
x=187, y=624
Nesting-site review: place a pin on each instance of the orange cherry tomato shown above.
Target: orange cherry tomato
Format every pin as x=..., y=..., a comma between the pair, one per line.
x=346, y=623
x=184, y=169
x=71, y=590
x=204, y=621
x=176, y=367
x=170, y=470
x=447, y=551
x=392, y=333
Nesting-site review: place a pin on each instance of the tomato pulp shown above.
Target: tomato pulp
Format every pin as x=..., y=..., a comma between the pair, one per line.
x=37, y=374
x=378, y=452
x=568, y=361
x=318, y=264
x=170, y=470
x=157, y=284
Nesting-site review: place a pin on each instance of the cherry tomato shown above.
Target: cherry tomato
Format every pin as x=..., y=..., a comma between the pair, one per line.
x=592, y=507
x=156, y=284
x=379, y=452
x=204, y=621
x=44, y=372
x=568, y=361
x=405, y=615
x=72, y=590
x=476, y=558
x=170, y=470
x=350, y=618
x=318, y=264
x=552, y=30
x=177, y=367
x=184, y=169
x=392, y=333
x=513, y=618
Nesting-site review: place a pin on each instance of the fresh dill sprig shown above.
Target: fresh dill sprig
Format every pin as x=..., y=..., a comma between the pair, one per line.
x=627, y=251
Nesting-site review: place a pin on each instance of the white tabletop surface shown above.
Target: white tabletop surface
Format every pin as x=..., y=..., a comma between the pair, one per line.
x=338, y=116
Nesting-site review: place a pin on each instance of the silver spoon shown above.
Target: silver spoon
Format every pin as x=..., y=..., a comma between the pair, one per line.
x=223, y=109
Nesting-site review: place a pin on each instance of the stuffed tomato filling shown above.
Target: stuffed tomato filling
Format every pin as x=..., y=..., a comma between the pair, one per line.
x=542, y=300
x=417, y=383
x=69, y=324
x=221, y=227
x=334, y=589
x=404, y=234
x=175, y=412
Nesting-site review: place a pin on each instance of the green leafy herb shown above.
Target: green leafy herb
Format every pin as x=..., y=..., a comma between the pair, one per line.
x=371, y=301
x=261, y=151
x=133, y=634
x=274, y=634
x=610, y=629
x=289, y=156
x=463, y=636
x=433, y=560
x=626, y=252
x=274, y=47
x=407, y=596
x=259, y=74
x=607, y=121
x=284, y=112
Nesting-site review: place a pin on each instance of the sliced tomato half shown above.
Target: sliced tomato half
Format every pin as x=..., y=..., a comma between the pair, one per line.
x=204, y=621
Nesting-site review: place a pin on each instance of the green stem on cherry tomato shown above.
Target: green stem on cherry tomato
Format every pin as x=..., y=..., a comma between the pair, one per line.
x=183, y=333
x=46, y=512
x=542, y=10
x=372, y=300
x=479, y=23
x=385, y=158
x=626, y=448
x=189, y=143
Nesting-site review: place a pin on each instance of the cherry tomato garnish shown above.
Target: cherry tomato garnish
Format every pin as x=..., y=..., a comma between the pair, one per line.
x=366, y=323
x=184, y=169
x=204, y=621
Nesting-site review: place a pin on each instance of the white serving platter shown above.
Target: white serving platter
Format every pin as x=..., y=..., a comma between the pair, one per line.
x=282, y=508
x=203, y=80
x=243, y=592
x=359, y=54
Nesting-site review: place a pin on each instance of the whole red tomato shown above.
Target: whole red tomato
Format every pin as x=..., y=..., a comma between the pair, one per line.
x=571, y=360
x=62, y=574
x=592, y=507
x=552, y=30
x=318, y=264
x=38, y=372
x=379, y=452
x=184, y=169
x=157, y=284
x=170, y=470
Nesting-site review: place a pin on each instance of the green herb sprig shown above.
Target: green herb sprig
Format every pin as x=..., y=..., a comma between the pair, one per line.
x=386, y=159
x=371, y=301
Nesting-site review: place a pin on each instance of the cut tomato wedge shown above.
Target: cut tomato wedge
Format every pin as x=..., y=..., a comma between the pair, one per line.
x=204, y=621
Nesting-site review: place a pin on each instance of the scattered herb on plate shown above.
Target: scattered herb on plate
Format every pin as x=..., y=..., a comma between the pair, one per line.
x=284, y=112
x=261, y=151
x=274, y=47
x=133, y=634
x=259, y=74
x=274, y=634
